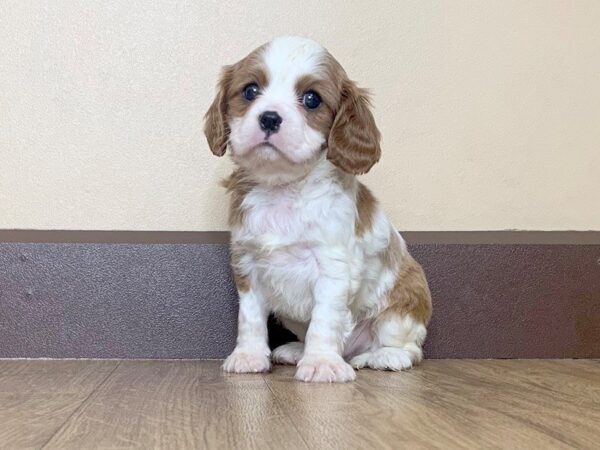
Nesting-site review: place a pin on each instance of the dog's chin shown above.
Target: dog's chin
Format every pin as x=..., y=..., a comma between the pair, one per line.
x=268, y=163
x=264, y=154
x=266, y=151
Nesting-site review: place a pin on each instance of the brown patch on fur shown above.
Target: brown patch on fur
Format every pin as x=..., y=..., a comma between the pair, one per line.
x=392, y=256
x=366, y=205
x=251, y=69
x=237, y=185
x=242, y=282
x=328, y=89
x=410, y=294
x=353, y=143
x=229, y=102
x=216, y=129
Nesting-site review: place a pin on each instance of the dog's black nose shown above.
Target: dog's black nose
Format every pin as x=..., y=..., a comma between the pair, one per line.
x=270, y=121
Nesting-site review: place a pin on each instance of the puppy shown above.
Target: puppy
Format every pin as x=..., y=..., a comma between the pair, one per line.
x=309, y=242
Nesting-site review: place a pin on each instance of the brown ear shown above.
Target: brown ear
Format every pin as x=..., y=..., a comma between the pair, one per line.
x=353, y=143
x=216, y=129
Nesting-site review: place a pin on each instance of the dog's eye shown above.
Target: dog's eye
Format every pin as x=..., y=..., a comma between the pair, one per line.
x=250, y=92
x=311, y=99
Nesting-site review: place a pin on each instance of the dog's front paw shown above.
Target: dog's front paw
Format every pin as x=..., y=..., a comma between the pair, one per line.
x=247, y=362
x=324, y=369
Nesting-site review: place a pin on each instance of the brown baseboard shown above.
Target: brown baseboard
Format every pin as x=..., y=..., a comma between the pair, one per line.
x=129, y=294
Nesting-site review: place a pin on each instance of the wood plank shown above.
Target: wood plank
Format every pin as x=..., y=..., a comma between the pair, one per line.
x=179, y=404
x=335, y=415
x=557, y=398
x=192, y=404
x=443, y=404
x=37, y=397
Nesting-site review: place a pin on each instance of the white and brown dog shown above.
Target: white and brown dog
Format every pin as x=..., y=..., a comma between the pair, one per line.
x=309, y=242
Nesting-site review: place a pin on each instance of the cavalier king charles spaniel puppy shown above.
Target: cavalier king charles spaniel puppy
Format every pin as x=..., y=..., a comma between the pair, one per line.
x=309, y=242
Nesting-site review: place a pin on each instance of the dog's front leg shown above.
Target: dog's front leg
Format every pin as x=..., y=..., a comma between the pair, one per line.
x=251, y=353
x=330, y=322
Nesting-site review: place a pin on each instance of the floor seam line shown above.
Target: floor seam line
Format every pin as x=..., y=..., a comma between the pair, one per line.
x=83, y=402
x=285, y=411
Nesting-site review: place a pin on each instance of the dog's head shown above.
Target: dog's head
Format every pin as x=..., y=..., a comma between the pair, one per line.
x=285, y=104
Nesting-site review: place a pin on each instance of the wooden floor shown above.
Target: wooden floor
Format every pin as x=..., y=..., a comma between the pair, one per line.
x=191, y=404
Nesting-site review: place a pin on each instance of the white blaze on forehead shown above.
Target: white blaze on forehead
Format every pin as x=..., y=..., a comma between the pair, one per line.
x=288, y=58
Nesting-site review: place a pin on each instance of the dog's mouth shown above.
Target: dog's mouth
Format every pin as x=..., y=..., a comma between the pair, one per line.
x=267, y=151
x=269, y=146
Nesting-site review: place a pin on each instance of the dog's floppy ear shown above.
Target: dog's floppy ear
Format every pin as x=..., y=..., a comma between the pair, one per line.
x=353, y=143
x=216, y=129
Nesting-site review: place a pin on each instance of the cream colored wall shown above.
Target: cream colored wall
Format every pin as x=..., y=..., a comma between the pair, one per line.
x=490, y=110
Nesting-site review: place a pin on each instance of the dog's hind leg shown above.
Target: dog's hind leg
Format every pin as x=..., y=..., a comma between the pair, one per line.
x=396, y=346
x=399, y=330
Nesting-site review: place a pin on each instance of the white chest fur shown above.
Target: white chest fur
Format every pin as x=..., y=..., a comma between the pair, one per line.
x=290, y=232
